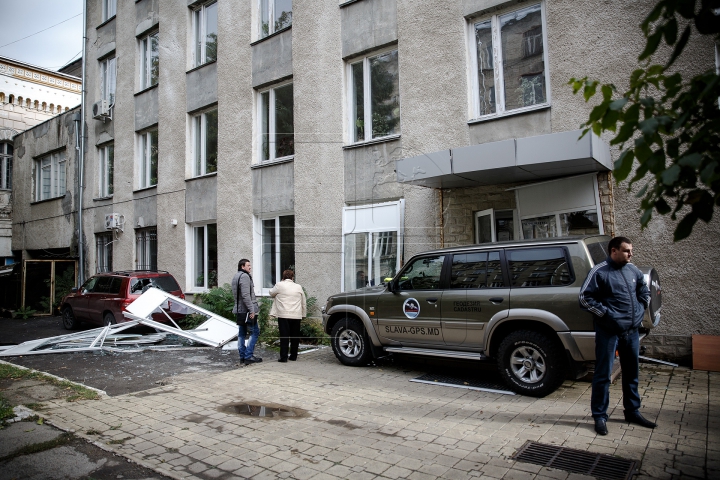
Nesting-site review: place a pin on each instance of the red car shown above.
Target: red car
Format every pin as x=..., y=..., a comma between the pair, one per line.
x=103, y=297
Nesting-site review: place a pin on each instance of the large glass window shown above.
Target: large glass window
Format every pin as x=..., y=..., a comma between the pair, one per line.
x=205, y=33
x=422, y=274
x=103, y=249
x=205, y=142
x=274, y=16
x=370, y=258
x=494, y=226
x=146, y=248
x=109, y=8
x=476, y=270
x=277, y=129
x=106, y=156
x=538, y=267
x=374, y=97
x=509, y=62
x=50, y=176
x=277, y=248
x=149, y=61
x=148, y=159
x=108, y=74
x=6, y=158
x=205, y=257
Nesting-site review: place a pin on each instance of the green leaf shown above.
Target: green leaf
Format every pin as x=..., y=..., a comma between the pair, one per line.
x=680, y=46
x=652, y=44
x=686, y=8
x=607, y=92
x=623, y=165
x=618, y=104
x=684, y=228
x=655, y=70
x=654, y=15
x=707, y=172
x=670, y=31
x=649, y=127
x=642, y=191
x=610, y=119
x=590, y=89
x=662, y=207
x=671, y=175
x=646, y=216
x=598, y=112
x=693, y=160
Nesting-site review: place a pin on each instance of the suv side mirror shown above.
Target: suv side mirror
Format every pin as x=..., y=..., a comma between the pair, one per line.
x=392, y=286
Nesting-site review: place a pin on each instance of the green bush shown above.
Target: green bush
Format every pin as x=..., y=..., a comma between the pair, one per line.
x=219, y=300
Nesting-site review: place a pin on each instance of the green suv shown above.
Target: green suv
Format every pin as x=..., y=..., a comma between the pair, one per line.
x=512, y=302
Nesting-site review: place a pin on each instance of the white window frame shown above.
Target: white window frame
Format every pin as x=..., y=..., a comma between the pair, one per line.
x=109, y=9
x=199, y=28
x=191, y=272
x=6, y=160
x=353, y=227
x=108, y=79
x=271, y=124
x=474, y=107
x=144, y=156
x=143, y=247
x=57, y=164
x=105, y=186
x=146, y=59
x=271, y=19
x=367, y=98
x=491, y=213
x=198, y=127
x=258, y=268
x=103, y=250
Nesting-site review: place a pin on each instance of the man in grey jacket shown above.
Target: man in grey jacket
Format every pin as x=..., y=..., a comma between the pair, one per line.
x=616, y=293
x=246, y=311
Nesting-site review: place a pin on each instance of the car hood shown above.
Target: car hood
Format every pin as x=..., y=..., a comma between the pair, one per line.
x=363, y=291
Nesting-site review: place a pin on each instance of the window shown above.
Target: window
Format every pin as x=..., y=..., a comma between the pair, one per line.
x=372, y=241
x=374, y=97
x=277, y=248
x=205, y=142
x=103, y=248
x=50, y=176
x=106, y=155
x=494, y=226
x=509, y=62
x=149, y=61
x=6, y=158
x=274, y=16
x=277, y=130
x=476, y=270
x=539, y=267
x=108, y=71
x=204, y=256
x=205, y=28
x=108, y=9
x=146, y=248
x=422, y=274
x=148, y=159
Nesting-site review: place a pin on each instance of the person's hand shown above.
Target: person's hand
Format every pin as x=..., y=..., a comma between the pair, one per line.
x=252, y=315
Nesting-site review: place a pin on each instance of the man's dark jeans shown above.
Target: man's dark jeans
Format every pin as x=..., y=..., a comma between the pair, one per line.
x=243, y=328
x=628, y=346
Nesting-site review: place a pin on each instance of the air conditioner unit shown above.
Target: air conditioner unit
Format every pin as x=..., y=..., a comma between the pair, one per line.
x=102, y=110
x=114, y=221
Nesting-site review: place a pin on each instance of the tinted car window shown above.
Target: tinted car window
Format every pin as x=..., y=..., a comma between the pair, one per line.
x=422, y=274
x=139, y=285
x=102, y=285
x=476, y=270
x=538, y=267
x=115, y=285
x=597, y=252
x=89, y=285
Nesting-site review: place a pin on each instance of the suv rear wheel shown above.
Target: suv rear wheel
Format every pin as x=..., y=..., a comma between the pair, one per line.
x=109, y=319
x=68, y=319
x=349, y=342
x=531, y=363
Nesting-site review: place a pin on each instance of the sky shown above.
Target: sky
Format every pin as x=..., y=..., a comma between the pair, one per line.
x=52, y=48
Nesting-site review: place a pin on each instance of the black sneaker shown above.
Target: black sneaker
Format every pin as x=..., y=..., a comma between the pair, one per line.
x=253, y=359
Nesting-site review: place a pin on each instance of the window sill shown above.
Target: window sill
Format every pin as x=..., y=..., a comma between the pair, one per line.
x=274, y=34
x=100, y=199
x=47, y=200
x=389, y=138
x=146, y=89
x=105, y=22
x=200, y=66
x=196, y=290
x=144, y=189
x=211, y=174
x=277, y=161
x=519, y=111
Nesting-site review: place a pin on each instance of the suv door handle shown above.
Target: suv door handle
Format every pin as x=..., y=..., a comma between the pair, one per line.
x=432, y=300
x=496, y=300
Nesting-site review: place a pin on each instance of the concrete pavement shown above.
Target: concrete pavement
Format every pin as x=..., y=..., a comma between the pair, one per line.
x=371, y=422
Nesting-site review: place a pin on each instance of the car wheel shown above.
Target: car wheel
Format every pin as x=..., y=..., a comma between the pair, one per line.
x=349, y=342
x=531, y=363
x=109, y=319
x=68, y=319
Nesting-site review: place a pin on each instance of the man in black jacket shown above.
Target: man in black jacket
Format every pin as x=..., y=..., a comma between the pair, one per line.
x=616, y=293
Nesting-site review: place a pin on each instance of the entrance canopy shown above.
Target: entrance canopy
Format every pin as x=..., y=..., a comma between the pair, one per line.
x=508, y=161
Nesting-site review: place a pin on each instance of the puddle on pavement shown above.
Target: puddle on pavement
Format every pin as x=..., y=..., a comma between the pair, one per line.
x=262, y=411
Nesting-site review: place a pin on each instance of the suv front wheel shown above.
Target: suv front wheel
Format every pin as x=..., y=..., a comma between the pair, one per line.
x=349, y=342
x=531, y=363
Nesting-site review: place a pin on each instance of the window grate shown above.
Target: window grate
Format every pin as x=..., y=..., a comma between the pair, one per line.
x=605, y=467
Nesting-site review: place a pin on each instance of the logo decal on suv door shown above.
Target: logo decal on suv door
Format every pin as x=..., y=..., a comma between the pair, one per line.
x=411, y=308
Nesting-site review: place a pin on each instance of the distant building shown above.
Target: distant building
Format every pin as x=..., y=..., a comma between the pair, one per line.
x=29, y=95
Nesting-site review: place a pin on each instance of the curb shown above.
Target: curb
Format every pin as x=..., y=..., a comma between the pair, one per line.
x=102, y=393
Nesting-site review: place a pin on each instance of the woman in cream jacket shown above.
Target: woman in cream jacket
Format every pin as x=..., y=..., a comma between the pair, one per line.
x=289, y=307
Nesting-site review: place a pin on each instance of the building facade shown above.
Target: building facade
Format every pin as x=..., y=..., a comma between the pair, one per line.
x=339, y=139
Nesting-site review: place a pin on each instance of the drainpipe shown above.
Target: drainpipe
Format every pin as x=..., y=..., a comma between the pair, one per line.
x=80, y=132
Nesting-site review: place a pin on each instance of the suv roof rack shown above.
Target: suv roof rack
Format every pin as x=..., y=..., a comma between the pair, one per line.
x=132, y=272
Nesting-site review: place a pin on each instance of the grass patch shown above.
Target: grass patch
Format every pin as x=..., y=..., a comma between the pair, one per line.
x=63, y=439
x=92, y=431
x=35, y=406
x=74, y=391
x=119, y=441
x=6, y=410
